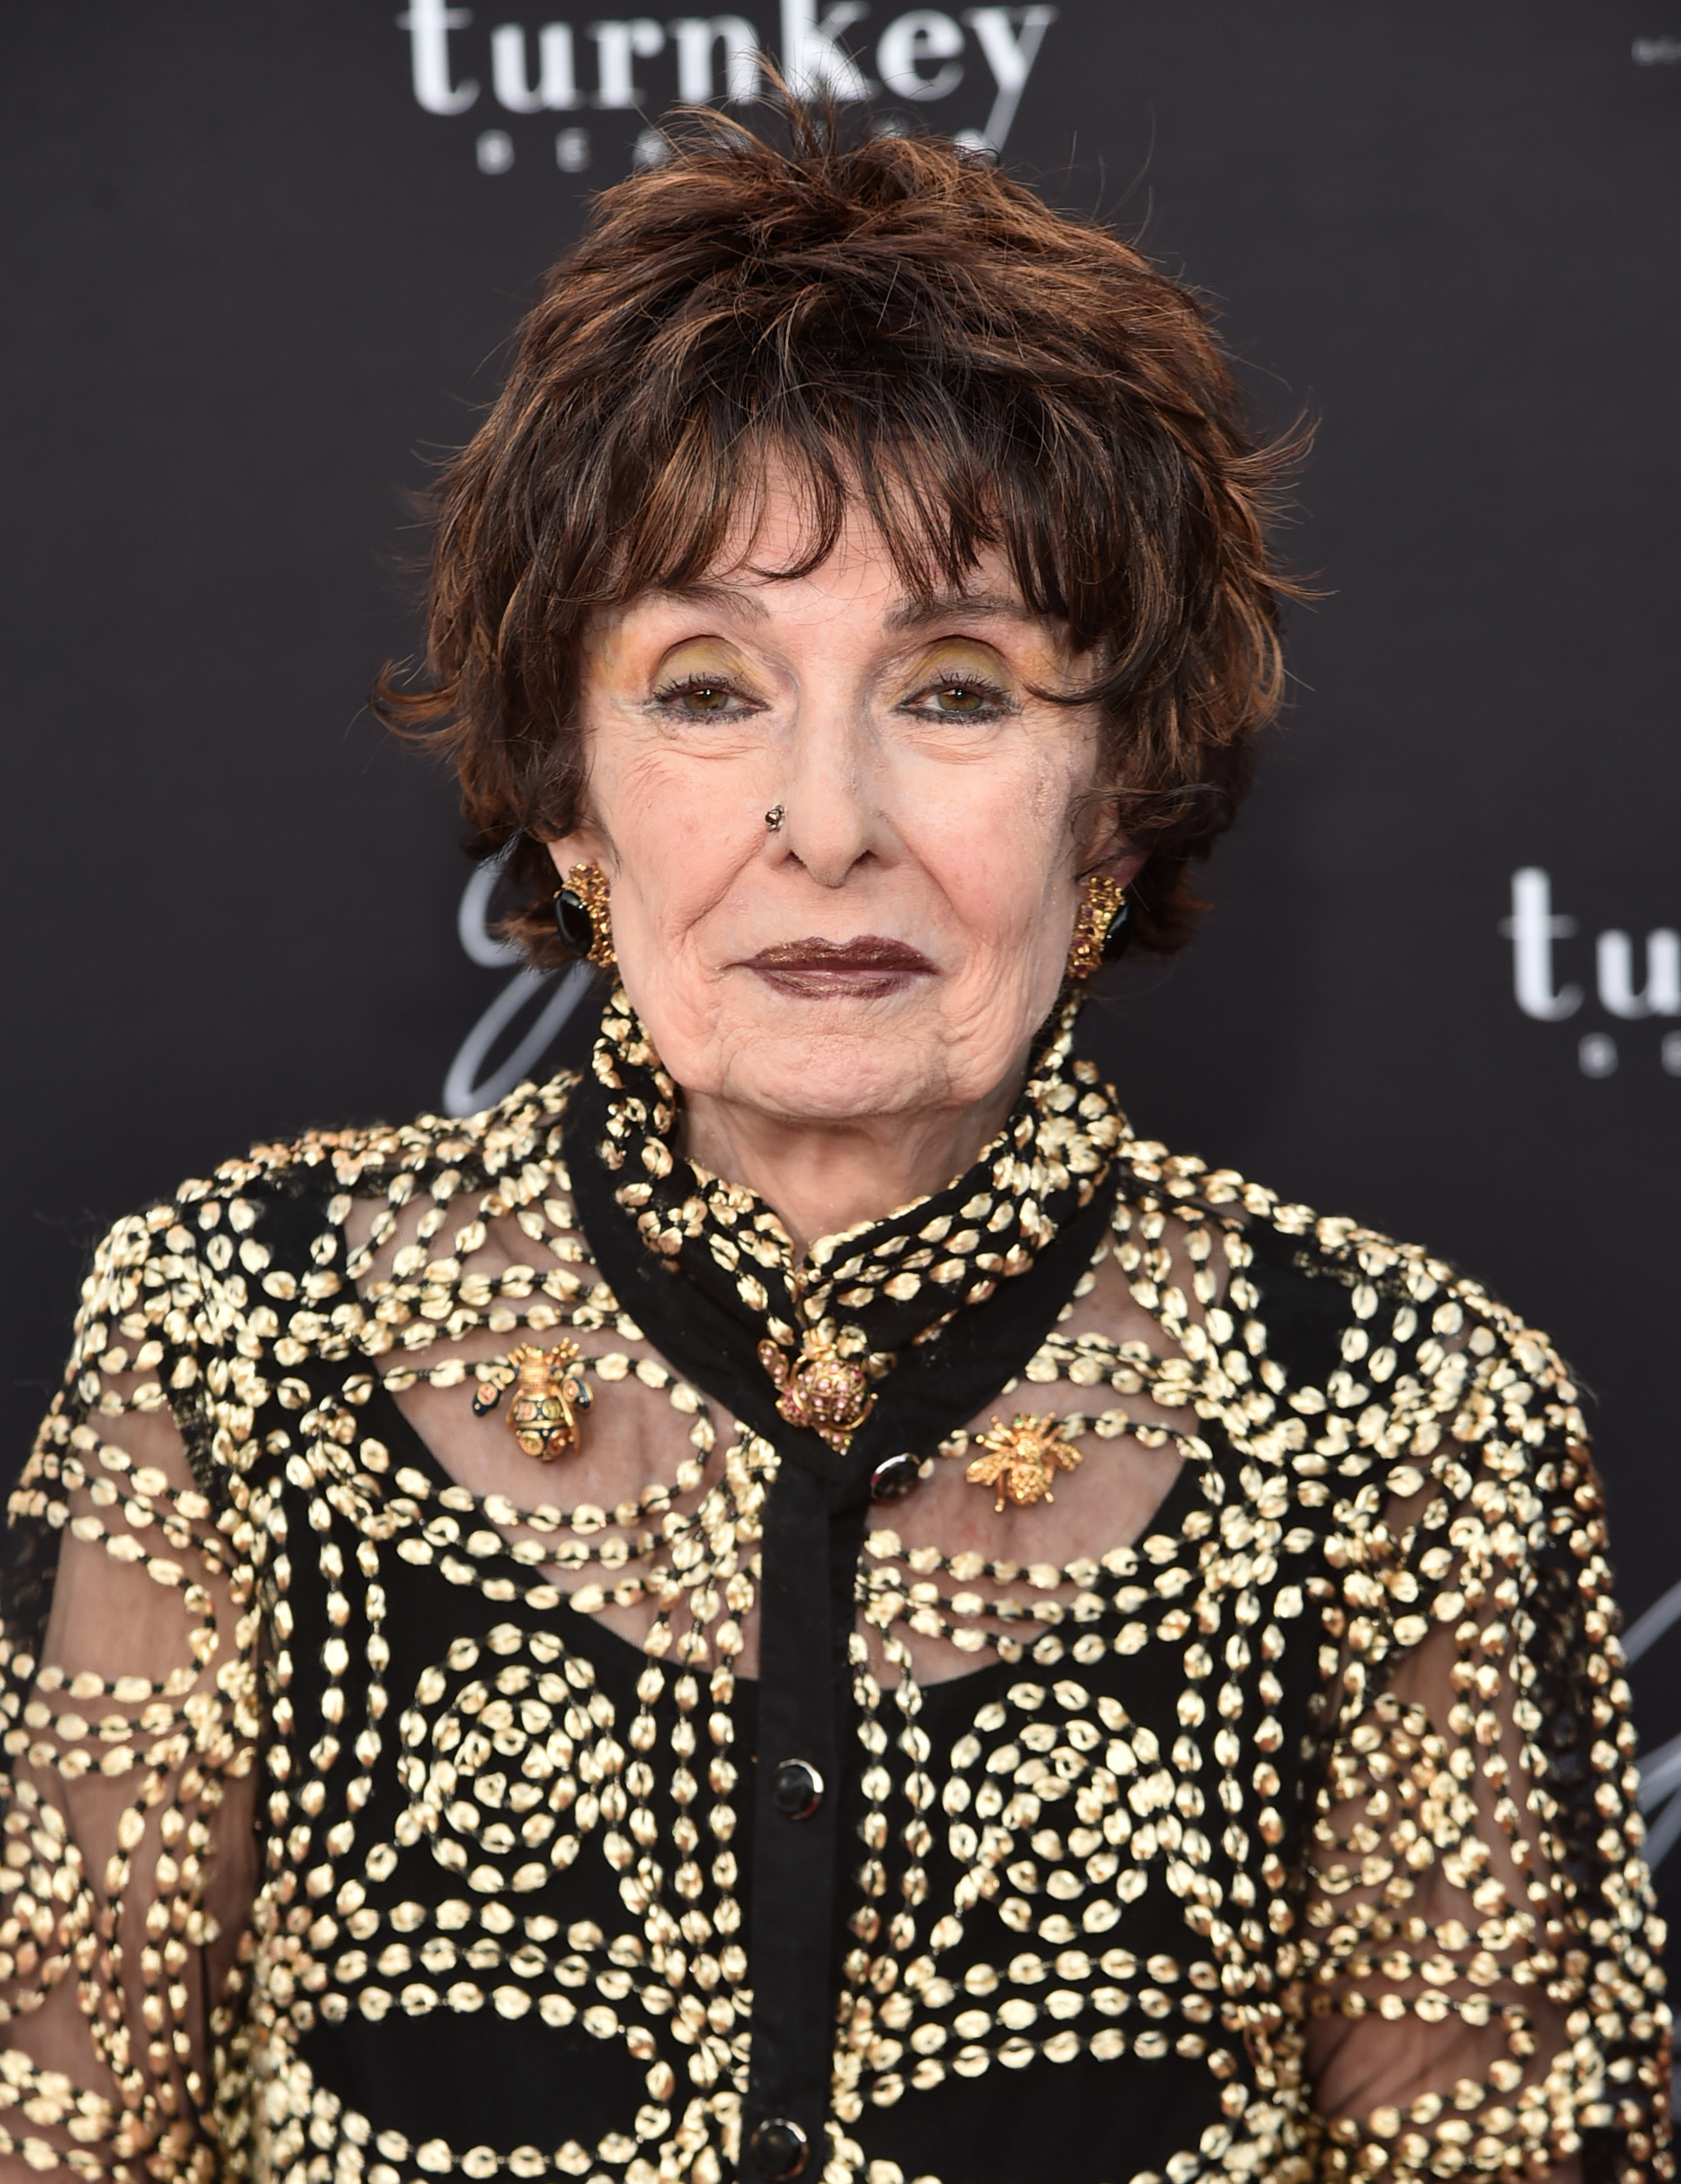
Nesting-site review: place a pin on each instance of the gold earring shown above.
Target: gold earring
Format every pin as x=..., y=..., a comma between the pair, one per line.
x=1100, y=926
x=581, y=915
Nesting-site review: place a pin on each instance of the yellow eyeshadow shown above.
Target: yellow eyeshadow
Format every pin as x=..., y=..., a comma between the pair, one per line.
x=701, y=657
x=958, y=661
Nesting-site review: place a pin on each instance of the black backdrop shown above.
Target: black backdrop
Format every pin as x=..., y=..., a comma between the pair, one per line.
x=255, y=287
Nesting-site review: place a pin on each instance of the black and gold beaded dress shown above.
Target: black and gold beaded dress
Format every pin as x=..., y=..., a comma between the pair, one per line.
x=374, y=1818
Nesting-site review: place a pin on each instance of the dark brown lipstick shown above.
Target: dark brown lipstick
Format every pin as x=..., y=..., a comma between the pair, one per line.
x=863, y=968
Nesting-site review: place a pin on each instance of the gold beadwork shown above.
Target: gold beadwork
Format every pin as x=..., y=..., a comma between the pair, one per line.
x=1100, y=897
x=1060, y=1881
x=589, y=883
x=820, y=1388
x=1022, y=1458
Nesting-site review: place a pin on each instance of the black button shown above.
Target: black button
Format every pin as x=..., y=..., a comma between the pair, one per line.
x=778, y=2149
x=796, y=1791
x=893, y=1478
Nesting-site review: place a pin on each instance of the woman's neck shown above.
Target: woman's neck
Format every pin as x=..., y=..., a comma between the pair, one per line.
x=821, y=1178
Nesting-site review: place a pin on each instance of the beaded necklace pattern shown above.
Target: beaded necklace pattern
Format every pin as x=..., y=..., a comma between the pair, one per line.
x=349, y=1836
x=831, y=1333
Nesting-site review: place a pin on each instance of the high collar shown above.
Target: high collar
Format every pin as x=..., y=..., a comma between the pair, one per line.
x=829, y=1329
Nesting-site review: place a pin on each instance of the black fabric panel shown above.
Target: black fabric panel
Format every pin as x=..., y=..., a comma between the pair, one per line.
x=814, y=1522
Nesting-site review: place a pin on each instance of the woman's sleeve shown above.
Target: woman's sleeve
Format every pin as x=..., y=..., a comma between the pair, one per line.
x=1480, y=1954
x=128, y=1721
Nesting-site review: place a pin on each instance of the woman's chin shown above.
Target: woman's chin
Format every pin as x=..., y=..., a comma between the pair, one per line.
x=843, y=1073
x=926, y=1050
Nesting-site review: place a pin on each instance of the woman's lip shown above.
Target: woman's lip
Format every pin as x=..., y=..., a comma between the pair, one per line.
x=868, y=955
x=866, y=968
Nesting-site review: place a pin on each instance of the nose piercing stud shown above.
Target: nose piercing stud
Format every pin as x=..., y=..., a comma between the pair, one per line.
x=773, y=818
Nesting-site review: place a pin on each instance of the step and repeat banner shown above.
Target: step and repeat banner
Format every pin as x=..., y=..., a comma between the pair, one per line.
x=261, y=265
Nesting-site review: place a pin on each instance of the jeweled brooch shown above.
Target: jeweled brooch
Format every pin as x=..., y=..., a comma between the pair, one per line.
x=1023, y=1459
x=549, y=1398
x=820, y=1388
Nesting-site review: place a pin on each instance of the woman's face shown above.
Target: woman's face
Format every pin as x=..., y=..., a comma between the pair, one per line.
x=892, y=946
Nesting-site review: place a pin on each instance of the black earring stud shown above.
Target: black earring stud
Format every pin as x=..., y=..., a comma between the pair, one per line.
x=582, y=918
x=573, y=921
x=1118, y=933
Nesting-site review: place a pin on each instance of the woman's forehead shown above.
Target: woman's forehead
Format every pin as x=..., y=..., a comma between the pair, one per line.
x=781, y=558
x=753, y=595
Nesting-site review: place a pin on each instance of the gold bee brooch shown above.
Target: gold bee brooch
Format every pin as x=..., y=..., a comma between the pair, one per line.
x=545, y=1416
x=1022, y=1459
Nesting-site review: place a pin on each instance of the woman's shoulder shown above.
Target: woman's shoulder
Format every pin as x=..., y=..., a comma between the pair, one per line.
x=512, y=1148
x=260, y=1257
x=1379, y=1402
x=1333, y=1306
x=474, y=1151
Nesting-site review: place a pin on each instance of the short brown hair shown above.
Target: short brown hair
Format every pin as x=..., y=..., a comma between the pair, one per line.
x=903, y=325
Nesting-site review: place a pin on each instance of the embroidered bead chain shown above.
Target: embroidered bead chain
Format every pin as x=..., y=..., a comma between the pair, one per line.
x=1444, y=1442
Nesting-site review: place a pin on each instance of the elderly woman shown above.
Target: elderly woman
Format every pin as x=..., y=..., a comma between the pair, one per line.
x=803, y=1604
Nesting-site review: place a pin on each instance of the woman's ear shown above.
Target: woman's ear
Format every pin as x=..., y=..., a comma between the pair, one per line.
x=1101, y=845
x=585, y=845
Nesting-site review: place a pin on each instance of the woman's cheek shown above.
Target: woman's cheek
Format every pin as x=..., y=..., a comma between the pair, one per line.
x=1003, y=867
x=676, y=849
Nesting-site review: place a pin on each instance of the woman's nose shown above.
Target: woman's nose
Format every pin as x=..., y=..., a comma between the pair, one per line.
x=830, y=787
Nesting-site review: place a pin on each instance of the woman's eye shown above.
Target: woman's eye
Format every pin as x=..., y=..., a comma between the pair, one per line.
x=954, y=699
x=700, y=700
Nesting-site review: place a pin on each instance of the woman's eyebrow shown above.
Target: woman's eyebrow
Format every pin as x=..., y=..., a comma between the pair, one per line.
x=912, y=613
x=714, y=591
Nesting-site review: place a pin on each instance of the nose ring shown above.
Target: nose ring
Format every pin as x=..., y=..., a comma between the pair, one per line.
x=773, y=818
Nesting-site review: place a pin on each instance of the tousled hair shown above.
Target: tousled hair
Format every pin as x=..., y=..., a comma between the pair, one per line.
x=896, y=325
